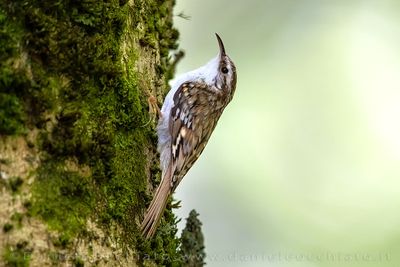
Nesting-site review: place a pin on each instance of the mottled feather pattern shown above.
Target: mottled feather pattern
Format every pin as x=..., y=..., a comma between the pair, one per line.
x=189, y=115
x=193, y=118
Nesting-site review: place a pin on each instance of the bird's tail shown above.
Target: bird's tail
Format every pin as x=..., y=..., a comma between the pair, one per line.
x=155, y=211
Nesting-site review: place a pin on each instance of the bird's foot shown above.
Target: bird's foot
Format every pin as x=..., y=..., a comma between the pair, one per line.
x=154, y=110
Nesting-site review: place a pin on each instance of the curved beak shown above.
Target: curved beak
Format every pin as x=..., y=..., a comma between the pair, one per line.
x=221, y=45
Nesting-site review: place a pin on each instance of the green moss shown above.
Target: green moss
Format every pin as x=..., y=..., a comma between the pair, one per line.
x=12, y=111
x=62, y=198
x=62, y=241
x=12, y=116
x=5, y=161
x=78, y=86
x=17, y=217
x=56, y=258
x=7, y=227
x=15, y=183
x=78, y=262
x=17, y=256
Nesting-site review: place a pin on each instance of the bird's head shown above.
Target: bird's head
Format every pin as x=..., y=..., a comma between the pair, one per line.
x=220, y=72
x=226, y=71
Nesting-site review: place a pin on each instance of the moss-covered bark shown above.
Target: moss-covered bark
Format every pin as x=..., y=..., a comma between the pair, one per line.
x=77, y=143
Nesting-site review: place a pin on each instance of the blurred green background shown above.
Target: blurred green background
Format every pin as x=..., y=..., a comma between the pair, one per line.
x=304, y=166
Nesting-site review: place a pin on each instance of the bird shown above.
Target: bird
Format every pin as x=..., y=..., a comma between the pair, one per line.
x=188, y=116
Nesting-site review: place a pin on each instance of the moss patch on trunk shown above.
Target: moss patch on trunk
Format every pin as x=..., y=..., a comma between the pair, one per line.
x=78, y=74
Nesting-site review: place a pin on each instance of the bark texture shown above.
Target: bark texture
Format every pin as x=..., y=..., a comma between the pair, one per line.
x=78, y=153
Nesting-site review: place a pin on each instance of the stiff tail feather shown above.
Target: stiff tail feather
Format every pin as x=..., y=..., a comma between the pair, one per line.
x=157, y=206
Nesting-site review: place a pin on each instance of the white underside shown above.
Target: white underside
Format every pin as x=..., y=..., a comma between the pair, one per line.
x=205, y=74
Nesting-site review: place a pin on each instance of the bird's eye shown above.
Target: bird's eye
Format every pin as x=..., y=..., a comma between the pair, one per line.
x=224, y=70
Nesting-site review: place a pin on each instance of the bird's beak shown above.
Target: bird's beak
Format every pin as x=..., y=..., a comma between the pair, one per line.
x=221, y=45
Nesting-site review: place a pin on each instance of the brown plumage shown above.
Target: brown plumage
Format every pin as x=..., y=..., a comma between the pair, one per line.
x=188, y=117
x=156, y=208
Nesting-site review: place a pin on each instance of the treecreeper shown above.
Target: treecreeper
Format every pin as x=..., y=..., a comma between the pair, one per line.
x=187, y=119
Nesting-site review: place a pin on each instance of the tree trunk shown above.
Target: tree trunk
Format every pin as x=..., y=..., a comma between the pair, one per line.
x=78, y=157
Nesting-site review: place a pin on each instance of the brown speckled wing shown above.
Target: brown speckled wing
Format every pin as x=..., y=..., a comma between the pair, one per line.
x=193, y=118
